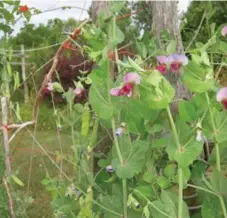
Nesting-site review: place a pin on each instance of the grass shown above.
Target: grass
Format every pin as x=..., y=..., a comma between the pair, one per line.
x=22, y=153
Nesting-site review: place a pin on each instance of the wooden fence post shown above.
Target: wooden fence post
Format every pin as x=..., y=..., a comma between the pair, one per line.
x=5, y=135
x=26, y=98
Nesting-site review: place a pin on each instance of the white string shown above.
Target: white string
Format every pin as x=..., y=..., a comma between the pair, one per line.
x=32, y=49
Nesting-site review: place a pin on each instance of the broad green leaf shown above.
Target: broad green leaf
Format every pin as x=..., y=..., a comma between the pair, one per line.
x=187, y=154
x=57, y=87
x=219, y=182
x=157, y=91
x=170, y=170
x=17, y=180
x=220, y=119
x=187, y=111
x=98, y=93
x=135, y=66
x=168, y=204
x=211, y=207
x=135, y=161
x=113, y=203
x=163, y=182
x=198, y=77
x=117, y=37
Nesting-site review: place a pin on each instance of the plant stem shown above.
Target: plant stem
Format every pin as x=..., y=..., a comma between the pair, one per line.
x=218, y=162
x=223, y=206
x=180, y=172
x=124, y=181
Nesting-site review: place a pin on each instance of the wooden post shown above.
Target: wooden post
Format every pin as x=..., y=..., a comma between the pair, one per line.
x=10, y=199
x=24, y=75
x=5, y=136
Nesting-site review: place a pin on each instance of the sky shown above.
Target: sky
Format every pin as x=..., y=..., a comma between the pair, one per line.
x=65, y=14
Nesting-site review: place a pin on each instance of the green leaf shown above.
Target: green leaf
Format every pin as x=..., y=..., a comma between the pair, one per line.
x=186, y=111
x=135, y=66
x=171, y=47
x=5, y=28
x=45, y=181
x=57, y=87
x=134, y=162
x=218, y=181
x=211, y=207
x=157, y=91
x=163, y=182
x=187, y=154
x=119, y=35
x=198, y=77
x=146, y=212
x=170, y=170
x=17, y=180
x=113, y=203
x=220, y=119
x=168, y=204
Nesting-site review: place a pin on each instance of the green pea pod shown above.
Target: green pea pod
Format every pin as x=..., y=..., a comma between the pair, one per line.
x=85, y=122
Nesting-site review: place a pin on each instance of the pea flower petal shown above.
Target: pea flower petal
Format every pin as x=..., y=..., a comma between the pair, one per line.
x=78, y=91
x=115, y=91
x=133, y=78
x=162, y=59
x=224, y=31
x=222, y=94
x=109, y=169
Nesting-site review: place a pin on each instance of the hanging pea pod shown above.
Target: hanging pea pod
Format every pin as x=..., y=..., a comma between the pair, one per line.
x=85, y=121
x=94, y=133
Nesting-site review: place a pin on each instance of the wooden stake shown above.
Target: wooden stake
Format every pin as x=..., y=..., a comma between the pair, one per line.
x=5, y=136
x=10, y=199
x=24, y=74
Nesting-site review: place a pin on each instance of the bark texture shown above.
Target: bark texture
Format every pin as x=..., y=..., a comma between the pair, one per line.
x=98, y=7
x=165, y=16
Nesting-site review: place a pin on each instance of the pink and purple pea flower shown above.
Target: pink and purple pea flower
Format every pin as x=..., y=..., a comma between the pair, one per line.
x=129, y=82
x=224, y=31
x=222, y=96
x=174, y=61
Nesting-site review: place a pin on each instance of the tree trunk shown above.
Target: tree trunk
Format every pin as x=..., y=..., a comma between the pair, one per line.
x=165, y=16
x=99, y=7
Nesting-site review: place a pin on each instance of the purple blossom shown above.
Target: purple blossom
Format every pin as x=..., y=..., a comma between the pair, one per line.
x=109, y=169
x=50, y=86
x=222, y=94
x=132, y=78
x=78, y=91
x=119, y=131
x=224, y=31
x=115, y=91
x=179, y=58
x=162, y=59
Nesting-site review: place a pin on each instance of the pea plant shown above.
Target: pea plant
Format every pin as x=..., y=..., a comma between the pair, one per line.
x=159, y=161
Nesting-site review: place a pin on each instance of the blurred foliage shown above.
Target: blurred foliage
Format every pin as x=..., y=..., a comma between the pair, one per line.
x=215, y=15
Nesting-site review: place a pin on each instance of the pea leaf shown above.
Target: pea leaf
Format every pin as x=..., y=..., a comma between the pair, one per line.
x=187, y=154
x=134, y=162
x=57, y=87
x=187, y=111
x=198, y=77
x=168, y=203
